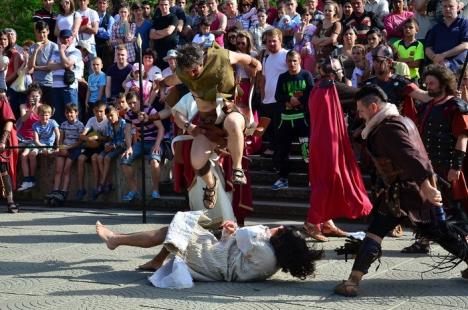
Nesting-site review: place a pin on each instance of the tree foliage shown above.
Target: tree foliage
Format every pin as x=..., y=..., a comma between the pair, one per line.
x=17, y=14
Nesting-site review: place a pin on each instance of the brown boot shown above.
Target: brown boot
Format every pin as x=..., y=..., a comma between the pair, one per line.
x=464, y=274
x=347, y=288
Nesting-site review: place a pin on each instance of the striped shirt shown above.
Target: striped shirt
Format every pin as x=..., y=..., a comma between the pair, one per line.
x=71, y=131
x=150, y=128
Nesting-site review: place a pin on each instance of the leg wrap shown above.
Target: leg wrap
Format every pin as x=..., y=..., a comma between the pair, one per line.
x=204, y=170
x=7, y=186
x=369, y=252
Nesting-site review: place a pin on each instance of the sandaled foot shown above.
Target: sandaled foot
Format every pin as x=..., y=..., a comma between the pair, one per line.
x=347, y=288
x=396, y=232
x=333, y=231
x=314, y=232
x=209, y=196
x=12, y=208
x=238, y=176
x=416, y=248
x=464, y=274
x=151, y=265
x=106, y=235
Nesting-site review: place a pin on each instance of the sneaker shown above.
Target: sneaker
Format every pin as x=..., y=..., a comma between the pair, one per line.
x=281, y=183
x=25, y=186
x=155, y=195
x=305, y=152
x=130, y=196
x=95, y=193
x=80, y=194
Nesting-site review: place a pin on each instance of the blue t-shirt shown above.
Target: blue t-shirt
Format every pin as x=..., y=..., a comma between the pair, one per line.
x=94, y=83
x=46, y=132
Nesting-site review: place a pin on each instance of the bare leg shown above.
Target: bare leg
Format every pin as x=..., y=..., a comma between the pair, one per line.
x=25, y=163
x=105, y=170
x=234, y=125
x=59, y=165
x=66, y=174
x=81, y=167
x=94, y=164
x=156, y=262
x=155, y=174
x=199, y=155
x=144, y=239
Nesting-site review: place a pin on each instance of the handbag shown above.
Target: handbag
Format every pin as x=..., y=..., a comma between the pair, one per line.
x=19, y=84
x=68, y=77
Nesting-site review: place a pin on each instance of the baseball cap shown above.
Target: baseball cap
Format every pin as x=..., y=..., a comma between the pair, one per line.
x=65, y=33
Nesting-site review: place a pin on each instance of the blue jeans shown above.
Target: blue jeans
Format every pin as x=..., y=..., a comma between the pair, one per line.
x=136, y=147
x=61, y=97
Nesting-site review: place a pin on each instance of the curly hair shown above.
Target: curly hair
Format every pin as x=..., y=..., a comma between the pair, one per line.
x=190, y=55
x=293, y=254
x=446, y=78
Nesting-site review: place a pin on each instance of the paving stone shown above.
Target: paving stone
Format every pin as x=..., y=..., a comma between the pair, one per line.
x=52, y=259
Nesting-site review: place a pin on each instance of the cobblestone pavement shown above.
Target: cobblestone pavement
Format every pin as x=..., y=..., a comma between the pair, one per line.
x=52, y=259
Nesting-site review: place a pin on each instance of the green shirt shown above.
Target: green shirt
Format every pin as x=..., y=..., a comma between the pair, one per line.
x=415, y=51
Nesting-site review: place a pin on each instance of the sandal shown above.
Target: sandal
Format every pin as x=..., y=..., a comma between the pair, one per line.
x=209, y=196
x=464, y=274
x=12, y=208
x=347, y=289
x=333, y=231
x=314, y=232
x=238, y=176
x=396, y=232
x=416, y=248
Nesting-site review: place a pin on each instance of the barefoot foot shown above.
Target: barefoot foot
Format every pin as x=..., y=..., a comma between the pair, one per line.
x=347, y=288
x=152, y=265
x=106, y=235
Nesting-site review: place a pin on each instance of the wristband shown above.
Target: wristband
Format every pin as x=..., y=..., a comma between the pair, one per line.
x=457, y=159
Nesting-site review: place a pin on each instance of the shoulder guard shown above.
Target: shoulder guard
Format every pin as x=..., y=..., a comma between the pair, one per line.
x=460, y=105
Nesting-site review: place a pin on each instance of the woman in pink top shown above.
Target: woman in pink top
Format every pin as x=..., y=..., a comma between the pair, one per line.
x=29, y=115
x=394, y=21
x=219, y=22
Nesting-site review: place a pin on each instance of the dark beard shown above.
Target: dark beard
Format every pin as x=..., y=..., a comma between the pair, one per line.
x=434, y=94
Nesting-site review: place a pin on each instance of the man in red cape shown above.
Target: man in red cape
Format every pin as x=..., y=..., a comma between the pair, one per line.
x=337, y=188
x=8, y=158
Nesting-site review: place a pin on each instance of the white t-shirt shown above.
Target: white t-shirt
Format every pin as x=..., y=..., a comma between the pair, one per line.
x=273, y=66
x=66, y=22
x=88, y=17
x=75, y=56
x=94, y=125
x=154, y=74
x=167, y=72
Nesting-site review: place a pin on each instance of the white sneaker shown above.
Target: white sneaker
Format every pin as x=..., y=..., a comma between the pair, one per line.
x=25, y=186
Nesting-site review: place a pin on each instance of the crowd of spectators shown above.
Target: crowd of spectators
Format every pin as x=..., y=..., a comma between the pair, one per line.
x=84, y=66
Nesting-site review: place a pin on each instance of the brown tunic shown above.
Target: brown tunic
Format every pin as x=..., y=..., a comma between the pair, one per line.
x=396, y=143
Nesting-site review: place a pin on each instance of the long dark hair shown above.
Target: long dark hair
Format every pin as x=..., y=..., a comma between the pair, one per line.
x=293, y=254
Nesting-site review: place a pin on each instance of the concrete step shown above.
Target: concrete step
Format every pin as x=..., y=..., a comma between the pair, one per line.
x=268, y=178
x=293, y=193
x=260, y=163
x=280, y=209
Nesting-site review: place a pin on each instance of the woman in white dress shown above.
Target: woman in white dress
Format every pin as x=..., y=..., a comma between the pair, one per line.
x=241, y=254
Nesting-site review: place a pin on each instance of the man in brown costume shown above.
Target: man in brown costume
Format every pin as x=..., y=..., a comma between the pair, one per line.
x=210, y=78
x=396, y=148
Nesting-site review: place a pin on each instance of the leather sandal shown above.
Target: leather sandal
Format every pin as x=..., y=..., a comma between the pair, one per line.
x=12, y=208
x=396, y=232
x=333, y=231
x=347, y=289
x=238, y=176
x=314, y=232
x=209, y=196
x=416, y=248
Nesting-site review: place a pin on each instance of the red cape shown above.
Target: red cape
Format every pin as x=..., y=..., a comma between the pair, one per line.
x=337, y=189
x=9, y=156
